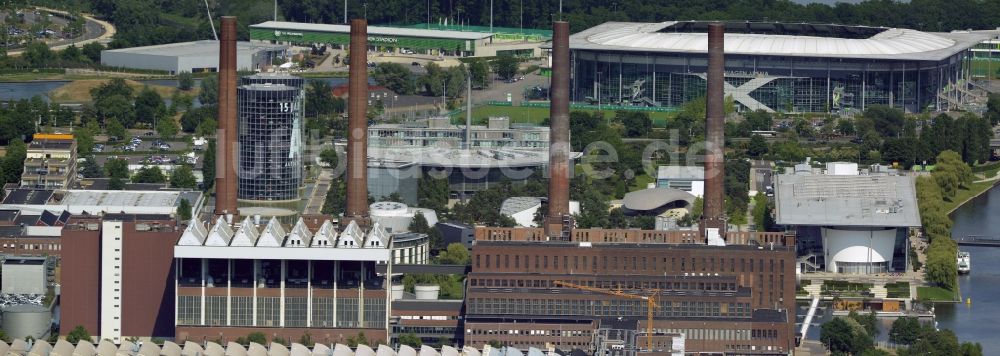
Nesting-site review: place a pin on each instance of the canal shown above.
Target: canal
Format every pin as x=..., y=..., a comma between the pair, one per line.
x=25, y=90
x=978, y=321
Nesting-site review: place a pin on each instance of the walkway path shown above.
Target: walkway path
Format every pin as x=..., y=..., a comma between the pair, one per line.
x=314, y=204
x=94, y=31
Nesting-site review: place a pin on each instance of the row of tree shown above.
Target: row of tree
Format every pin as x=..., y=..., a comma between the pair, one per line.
x=949, y=175
x=855, y=335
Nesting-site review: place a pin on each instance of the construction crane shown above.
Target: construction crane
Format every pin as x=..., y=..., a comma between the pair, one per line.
x=650, y=303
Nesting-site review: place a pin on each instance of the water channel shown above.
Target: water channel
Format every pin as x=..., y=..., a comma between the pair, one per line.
x=978, y=321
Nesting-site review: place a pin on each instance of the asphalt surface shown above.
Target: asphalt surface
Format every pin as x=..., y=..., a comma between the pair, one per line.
x=94, y=30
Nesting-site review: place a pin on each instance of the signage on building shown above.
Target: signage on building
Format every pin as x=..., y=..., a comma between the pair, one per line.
x=279, y=33
x=382, y=39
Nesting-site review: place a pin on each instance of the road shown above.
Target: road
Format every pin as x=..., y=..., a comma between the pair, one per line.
x=94, y=31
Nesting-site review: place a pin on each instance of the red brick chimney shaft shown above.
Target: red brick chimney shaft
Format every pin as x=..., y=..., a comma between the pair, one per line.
x=225, y=167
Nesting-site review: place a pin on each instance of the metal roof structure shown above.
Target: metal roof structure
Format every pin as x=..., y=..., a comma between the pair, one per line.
x=249, y=242
x=681, y=172
x=654, y=198
x=195, y=48
x=780, y=39
x=838, y=200
x=514, y=205
x=372, y=30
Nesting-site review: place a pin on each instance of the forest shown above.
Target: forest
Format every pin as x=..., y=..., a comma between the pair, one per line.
x=145, y=22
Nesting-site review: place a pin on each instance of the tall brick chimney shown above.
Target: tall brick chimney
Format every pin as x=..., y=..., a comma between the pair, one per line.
x=225, y=158
x=558, y=218
x=714, y=216
x=357, y=125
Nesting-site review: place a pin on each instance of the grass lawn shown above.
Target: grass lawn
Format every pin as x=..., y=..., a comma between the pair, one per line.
x=935, y=294
x=79, y=91
x=641, y=182
x=964, y=195
x=533, y=115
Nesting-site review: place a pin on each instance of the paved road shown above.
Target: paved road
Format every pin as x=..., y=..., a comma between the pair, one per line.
x=317, y=196
x=94, y=31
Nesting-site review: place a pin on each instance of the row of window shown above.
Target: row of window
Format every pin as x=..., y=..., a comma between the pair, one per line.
x=608, y=284
x=532, y=332
x=241, y=312
x=625, y=263
x=613, y=308
x=49, y=247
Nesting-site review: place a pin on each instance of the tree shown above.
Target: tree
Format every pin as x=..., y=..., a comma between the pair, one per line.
x=208, y=166
x=209, y=95
x=887, y=121
x=307, y=340
x=951, y=173
x=185, y=81
x=455, y=254
x=319, y=98
x=183, y=177
x=759, y=120
x=845, y=127
x=70, y=54
x=410, y=339
x=395, y=77
x=505, y=66
x=149, y=107
x=637, y=123
x=149, y=174
x=167, y=128
x=257, y=337
x=757, y=146
x=360, y=339
x=184, y=210
x=114, y=128
x=90, y=169
x=77, y=334
x=844, y=336
x=905, y=330
x=13, y=161
x=941, y=267
x=116, y=183
x=479, y=71
x=329, y=157
x=868, y=321
x=432, y=193
x=92, y=51
x=38, y=54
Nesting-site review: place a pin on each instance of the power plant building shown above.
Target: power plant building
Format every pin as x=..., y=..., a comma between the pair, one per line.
x=270, y=115
x=773, y=66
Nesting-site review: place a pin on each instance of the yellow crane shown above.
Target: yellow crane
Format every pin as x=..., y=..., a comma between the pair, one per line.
x=650, y=303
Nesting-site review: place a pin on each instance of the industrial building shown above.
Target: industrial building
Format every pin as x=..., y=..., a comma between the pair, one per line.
x=773, y=66
x=690, y=179
x=116, y=283
x=270, y=113
x=191, y=57
x=50, y=162
x=498, y=151
x=230, y=282
x=523, y=209
x=26, y=320
x=401, y=39
x=846, y=222
x=36, y=202
x=24, y=275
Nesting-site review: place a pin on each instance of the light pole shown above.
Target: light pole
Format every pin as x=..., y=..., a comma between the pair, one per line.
x=345, y=11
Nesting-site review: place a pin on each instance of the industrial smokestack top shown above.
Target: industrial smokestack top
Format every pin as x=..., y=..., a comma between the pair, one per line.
x=714, y=215
x=357, y=124
x=558, y=219
x=225, y=168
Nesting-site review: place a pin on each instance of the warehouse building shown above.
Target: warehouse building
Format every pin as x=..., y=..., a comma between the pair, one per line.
x=406, y=40
x=772, y=66
x=192, y=57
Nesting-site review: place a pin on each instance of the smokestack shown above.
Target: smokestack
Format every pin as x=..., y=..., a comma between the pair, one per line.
x=714, y=214
x=357, y=124
x=555, y=225
x=225, y=166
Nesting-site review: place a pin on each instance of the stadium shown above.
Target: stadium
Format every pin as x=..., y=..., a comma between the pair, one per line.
x=783, y=67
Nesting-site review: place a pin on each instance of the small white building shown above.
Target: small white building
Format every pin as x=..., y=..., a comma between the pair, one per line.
x=396, y=217
x=523, y=209
x=690, y=179
x=842, y=168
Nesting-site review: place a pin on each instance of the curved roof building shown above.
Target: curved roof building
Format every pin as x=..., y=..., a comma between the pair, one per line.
x=771, y=66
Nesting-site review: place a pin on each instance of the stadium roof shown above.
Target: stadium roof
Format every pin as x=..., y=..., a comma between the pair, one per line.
x=780, y=39
x=372, y=30
x=834, y=200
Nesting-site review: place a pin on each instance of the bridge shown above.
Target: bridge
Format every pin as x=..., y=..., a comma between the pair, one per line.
x=979, y=240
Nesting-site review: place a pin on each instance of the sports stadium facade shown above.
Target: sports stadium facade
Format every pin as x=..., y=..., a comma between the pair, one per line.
x=782, y=67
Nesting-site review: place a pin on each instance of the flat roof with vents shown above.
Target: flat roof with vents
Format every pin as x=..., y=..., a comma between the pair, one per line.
x=833, y=200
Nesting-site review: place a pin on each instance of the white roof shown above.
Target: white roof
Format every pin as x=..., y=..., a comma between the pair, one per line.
x=220, y=235
x=351, y=237
x=273, y=235
x=300, y=235
x=889, y=43
x=326, y=236
x=681, y=172
x=194, y=234
x=377, y=237
x=246, y=235
x=372, y=30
